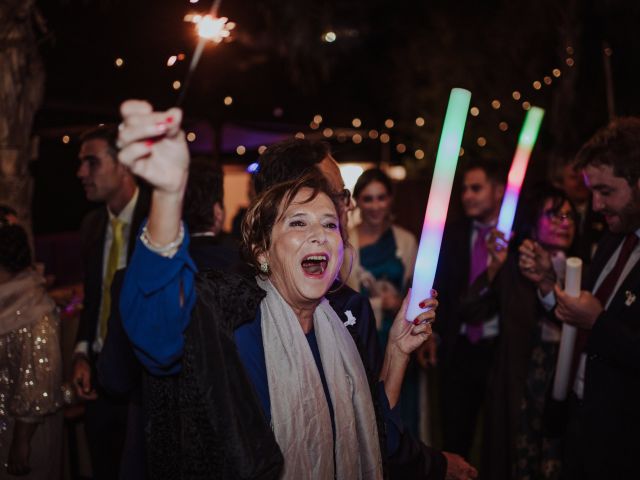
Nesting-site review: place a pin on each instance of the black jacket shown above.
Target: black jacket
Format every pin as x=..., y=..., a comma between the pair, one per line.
x=610, y=411
x=92, y=231
x=206, y=422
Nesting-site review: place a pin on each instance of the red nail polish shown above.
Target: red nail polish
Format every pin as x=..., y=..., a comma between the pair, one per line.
x=148, y=143
x=422, y=304
x=169, y=119
x=416, y=322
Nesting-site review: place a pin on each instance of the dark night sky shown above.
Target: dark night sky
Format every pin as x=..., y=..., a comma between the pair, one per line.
x=392, y=59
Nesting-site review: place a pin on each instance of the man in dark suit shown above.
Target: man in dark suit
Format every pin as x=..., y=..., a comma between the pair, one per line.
x=203, y=212
x=108, y=236
x=467, y=345
x=604, y=408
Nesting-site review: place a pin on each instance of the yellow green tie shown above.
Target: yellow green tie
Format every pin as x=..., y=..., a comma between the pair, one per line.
x=112, y=265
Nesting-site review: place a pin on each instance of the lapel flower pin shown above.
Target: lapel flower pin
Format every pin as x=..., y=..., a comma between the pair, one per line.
x=630, y=298
x=351, y=320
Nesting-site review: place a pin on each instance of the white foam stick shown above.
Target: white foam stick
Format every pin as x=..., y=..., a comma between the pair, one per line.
x=567, y=343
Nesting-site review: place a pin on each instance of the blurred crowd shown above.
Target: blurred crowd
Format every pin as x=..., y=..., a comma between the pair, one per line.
x=281, y=350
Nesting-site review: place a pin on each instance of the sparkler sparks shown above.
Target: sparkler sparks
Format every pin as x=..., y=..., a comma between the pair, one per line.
x=210, y=27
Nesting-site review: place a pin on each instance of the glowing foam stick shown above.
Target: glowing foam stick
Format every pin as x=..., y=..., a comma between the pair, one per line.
x=438, y=203
x=565, y=354
x=527, y=140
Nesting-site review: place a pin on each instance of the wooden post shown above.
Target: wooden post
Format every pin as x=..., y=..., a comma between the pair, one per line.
x=21, y=91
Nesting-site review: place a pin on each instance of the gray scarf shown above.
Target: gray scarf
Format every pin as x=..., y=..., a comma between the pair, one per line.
x=300, y=415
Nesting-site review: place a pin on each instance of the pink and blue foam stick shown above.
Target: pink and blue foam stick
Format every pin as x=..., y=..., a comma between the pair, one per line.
x=438, y=203
x=526, y=141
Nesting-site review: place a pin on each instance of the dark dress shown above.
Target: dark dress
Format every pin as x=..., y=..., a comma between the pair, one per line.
x=514, y=445
x=380, y=259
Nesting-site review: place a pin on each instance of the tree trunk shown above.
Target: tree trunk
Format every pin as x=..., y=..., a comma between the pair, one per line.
x=22, y=78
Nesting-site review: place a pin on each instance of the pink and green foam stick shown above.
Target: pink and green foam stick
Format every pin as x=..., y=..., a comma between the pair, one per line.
x=526, y=141
x=438, y=203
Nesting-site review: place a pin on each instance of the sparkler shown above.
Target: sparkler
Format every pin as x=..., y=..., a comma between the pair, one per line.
x=210, y=27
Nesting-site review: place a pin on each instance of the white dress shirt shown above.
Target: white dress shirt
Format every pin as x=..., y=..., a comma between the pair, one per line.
x=125, y=216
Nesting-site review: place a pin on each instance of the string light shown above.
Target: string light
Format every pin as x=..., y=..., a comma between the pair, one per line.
x=261, y=149
x=461, y=152
x=356, y=122
x=329, y=37
x=241, y=150
x=119, y=62
x=66, y=139
x=419, y=154
x=397, y=172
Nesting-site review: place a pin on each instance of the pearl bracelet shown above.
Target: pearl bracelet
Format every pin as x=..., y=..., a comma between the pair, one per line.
x=168, y=250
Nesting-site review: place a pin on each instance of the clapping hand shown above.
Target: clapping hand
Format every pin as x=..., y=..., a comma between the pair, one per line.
x=535, y=265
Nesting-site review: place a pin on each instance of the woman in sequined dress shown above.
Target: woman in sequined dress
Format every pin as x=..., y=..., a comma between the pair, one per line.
x=30, y=365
